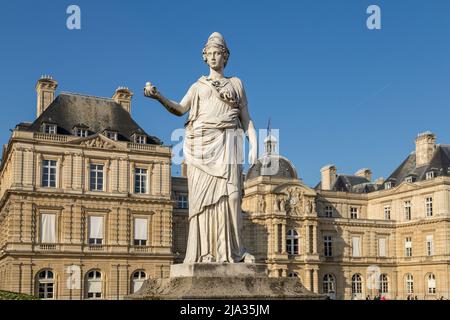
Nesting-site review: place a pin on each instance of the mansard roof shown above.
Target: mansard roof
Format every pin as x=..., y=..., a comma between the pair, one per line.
x=439, y=164
x=69, y=110
x=351, y=183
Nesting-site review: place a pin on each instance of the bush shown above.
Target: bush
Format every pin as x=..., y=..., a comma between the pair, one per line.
x=6, y=295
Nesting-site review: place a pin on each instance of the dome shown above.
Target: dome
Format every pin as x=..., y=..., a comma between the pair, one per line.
x=262, y=167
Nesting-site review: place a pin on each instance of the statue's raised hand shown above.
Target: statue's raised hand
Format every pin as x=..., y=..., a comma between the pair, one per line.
x=150, y=91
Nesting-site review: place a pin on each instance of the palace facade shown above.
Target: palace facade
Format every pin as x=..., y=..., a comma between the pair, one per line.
x=89, y=210
x=85, y=209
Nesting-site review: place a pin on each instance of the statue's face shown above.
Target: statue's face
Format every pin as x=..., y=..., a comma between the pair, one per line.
x=215, y=58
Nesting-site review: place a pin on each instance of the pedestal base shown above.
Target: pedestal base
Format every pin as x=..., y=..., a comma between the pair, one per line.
x=223, y=281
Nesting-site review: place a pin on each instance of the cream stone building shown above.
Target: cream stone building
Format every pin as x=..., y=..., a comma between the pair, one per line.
x=350, y=236
x=85, y=209
x=89, y=210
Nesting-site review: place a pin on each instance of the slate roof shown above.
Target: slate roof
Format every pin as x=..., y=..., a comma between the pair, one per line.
x=351, y=183
x=285, y=168
x=69, y=110
x=439, y=164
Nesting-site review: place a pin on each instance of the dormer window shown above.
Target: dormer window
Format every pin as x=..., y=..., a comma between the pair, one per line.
x=81, y=132
x=429, y=175
x=111, y=135
x=49, y=128
x=140, y=138
x=410, y=179
x=388, y=185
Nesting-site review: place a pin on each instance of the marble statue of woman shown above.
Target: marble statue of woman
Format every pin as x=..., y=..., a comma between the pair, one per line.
x=217, y=107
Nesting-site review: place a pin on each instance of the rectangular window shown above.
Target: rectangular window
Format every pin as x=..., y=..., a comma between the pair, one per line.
x=356, y=246
x=50, y=128
x=429, y=175
x=327, y=246
x=96, y=177
x=140, y=180
x=140, y=231
x=408, y=247
x=49, y=173
x=382, y=247
x=48, y=228
x=182, y=201
x=81, y=132
x=140, y=139
x=353, y=213
x=387, y=213
x=409, y=179
x=407, y=207
x=95, y=230
x=388, y=185
x=429, y=206
x=111, y=135
x=430, y=247
x=328, y=211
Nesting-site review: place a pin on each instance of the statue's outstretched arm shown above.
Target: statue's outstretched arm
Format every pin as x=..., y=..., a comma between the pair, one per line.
x=173, y=107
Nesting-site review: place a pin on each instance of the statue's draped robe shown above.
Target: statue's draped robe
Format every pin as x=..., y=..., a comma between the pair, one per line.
x=213, y=154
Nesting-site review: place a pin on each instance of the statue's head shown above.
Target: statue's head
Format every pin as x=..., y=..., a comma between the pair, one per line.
x=215, y=52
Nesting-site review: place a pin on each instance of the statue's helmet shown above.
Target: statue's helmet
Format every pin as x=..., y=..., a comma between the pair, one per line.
x=216, y=39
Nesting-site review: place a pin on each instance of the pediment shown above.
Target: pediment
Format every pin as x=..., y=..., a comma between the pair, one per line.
x=405, y=187
x=299, y=187
x=295, y=198
x=97, y=141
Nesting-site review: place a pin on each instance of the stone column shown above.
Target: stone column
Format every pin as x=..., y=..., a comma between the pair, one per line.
x=277, y=242
x=314, y=239
x=308, y=279
x=316, y=280
x=307, y=239
x=283, y=238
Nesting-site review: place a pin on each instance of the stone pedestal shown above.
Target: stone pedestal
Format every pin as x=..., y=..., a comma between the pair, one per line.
x=223, y=281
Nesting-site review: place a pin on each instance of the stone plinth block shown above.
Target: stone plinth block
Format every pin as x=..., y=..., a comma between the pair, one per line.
x=223, y=281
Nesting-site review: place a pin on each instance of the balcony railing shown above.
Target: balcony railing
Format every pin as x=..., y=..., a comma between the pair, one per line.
x=140, y=146
x=47, y=247
x=50, y=137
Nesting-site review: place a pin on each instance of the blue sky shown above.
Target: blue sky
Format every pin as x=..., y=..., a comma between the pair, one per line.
x=338, y=92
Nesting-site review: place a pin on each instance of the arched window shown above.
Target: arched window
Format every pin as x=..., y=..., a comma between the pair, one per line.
x=137, y=280
x=384, y=283
x=329, y=284
x=409, y=284
x=94, y=284
x=357, y=286
x=45, y=284
x=431, y=282
x=292, y=242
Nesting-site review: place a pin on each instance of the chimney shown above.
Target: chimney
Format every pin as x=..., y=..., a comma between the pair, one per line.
x=365, y=173
x=328, y=176
x=123, y=97
x=183, y=169
x=425, y=146
x=45, y=89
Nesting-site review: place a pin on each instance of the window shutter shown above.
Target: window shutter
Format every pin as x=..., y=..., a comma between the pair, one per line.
x=140, y=229
x=96, y=227
x=48, y=228
x=382, y=247
x=356, y=246
x=94, y=286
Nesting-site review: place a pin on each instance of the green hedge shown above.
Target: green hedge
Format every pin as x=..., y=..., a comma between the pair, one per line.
x=6, y=295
